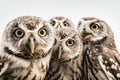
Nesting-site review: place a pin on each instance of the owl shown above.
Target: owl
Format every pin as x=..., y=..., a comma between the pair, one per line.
x=26, y=49
x=101, y=60
x=66, y=58
x=61, y=22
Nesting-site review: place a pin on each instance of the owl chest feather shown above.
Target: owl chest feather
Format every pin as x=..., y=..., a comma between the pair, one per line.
x=34, y=70
x=92, y=66
x=64, y=71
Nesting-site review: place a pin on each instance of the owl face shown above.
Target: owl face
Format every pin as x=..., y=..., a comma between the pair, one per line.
x=92, y=29
x=67, y=45
x=61, y=22
x=28, y=37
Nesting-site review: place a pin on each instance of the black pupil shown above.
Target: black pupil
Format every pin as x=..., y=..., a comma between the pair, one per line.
x=65, y=24
x=70, y=42
x=42, y=32
x=19, y=32
x=94, y=26
x=53, y=23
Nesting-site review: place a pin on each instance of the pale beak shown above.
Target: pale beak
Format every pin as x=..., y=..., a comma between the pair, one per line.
x=59, y=52
x=81, y=33
x=59, y=26
x=32, y=45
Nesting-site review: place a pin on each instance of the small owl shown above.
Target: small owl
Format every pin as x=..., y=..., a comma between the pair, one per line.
x=26, y=49
x=66, y=56
x=61, y=22
x=101, y=60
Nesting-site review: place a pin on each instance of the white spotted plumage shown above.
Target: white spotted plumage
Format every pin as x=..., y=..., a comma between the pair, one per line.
x=100, y=57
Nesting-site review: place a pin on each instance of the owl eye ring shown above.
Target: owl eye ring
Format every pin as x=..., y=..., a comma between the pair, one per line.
x=70, y=42
x=94, y=26
x=52, y=22
x=65, y=23
x=42, y=32
x=19, y=33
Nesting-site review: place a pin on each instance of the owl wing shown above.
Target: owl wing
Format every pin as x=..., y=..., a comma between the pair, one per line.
x=109, y=61
x=3, y=64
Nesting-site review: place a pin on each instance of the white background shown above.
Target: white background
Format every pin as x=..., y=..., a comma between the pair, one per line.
x=108, y=10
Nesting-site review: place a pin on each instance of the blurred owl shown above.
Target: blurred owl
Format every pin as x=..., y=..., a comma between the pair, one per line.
x=26, y=49
x=60, y=22
x=101, y=60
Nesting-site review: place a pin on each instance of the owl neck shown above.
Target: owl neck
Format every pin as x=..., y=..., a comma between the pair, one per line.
x=110, y=42
x=105, y=42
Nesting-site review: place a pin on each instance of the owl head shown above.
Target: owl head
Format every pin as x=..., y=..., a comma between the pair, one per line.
x=67, y=46
x=61, y=22
x=28, y=37
x=95, y=31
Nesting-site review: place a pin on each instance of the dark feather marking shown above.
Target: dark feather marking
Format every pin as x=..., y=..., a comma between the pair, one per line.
x=71, y=69
x=34, y=77
x=53, y=73
x=62, y=35
x=3, y=60
x=20, y=78
x=25, y=77
x=58, y=76
x=71, y=59
x=78, y=66
x=30, y=26
x=73, y=72
x=26, y=55
x=91, y=65
x=84, y=68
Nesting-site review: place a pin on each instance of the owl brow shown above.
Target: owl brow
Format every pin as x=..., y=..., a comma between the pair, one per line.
x=87, y=19
x=98, y=21
x=90, y=19
x=30, y=26
x=44, y=26
x=59, y=18
x=15, y=25
x=62, y=35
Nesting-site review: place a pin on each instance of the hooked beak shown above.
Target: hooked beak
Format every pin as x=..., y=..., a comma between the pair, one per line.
x=81, y=33
x=32, y=45
x=85, y=32
x=59, y=52
x=59, y=26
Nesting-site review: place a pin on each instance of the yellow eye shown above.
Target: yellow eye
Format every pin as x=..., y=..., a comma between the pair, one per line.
x=94, y=26
x=70, y=42
x=42, y=32
x=65, y=23
x=19, y=33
